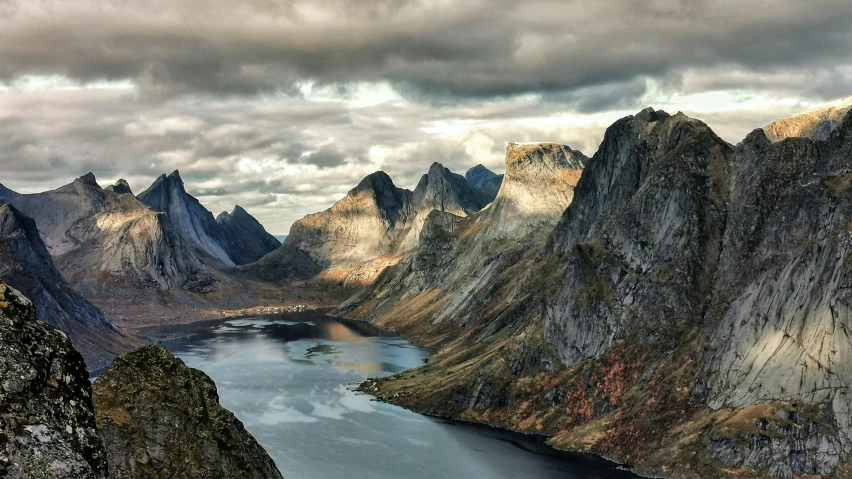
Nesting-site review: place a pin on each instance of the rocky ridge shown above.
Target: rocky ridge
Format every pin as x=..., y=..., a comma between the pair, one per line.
x=484, y=180
x=368, y=230
x=687, y=314
x=816, y=124
x=244, y=237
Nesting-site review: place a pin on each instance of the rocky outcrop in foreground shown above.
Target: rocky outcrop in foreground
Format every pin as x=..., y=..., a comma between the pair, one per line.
x=47, y=427
x=159, y=418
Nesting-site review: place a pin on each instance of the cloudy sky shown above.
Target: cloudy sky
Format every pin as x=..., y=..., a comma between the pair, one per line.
x=282, y=106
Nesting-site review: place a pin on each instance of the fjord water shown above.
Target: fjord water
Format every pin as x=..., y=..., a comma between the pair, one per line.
x=289, y=378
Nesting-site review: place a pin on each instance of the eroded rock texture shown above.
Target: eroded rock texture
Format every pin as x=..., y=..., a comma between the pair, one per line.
x=159, y=418
x=26, y=265
x=47, y=427
x=642, y=238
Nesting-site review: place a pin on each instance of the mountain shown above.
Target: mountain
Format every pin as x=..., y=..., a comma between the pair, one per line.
x=157, y=415
x=484, y=180
x=441, y=190
x=461, y=262
x=186, y=215
x=687, y=313
x=26, y=265
x=98, y=237
x=352, y=239
x=371, y=228
x=232, y=239
x=46, y=419
x=244, y=237
x=816, y=124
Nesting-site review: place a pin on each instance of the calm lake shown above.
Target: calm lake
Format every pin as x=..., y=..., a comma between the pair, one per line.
x=289, y=378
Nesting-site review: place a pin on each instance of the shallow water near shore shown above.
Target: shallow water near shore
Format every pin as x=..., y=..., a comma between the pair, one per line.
x=290, y=379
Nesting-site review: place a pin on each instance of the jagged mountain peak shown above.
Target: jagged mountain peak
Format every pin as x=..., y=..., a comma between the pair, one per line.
x=816, y=124
x=121, y=186
x=88, y=178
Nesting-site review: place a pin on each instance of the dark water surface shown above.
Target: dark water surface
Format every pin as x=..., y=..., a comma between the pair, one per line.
x=288, y=378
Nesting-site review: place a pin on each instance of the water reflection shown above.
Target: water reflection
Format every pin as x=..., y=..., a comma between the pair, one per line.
x=289, y=379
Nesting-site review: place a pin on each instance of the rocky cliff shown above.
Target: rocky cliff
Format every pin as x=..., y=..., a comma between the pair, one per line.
x=159, y=418
x=186, y=216
x=26, y=265
x=465, y=265
x=439, y=190
x=244, y=237
x=232, y=239
x=47, y=427
x=120, y=186
x=687, y=313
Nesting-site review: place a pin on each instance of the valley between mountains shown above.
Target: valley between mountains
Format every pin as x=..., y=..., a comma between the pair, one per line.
x=673, y=302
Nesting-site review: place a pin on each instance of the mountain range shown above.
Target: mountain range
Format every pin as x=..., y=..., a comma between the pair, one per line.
x=675, y=302
x=121, y=252
x=686, y=313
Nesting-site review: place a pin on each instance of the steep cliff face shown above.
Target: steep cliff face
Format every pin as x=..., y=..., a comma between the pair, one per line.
x=232, y=239
x=244, y=237
x=47, y=427
x=26, y=265
x=783, y=295
x=642, y=239
x=186, y=215
x=159, y=418
x=688, y=313
x=816, y=124
x=57, y=211
x=484, y=181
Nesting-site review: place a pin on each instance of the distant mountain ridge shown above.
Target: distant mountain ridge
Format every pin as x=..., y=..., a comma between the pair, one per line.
x=371, y=228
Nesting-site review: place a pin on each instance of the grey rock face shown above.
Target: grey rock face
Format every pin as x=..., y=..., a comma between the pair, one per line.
x=462, y=256
x=244, y=237
x=232, y=239
x=371, y=228
x=485, y=181
x=159, y=418
x=186, y=215
x=441, y=190
x=26, y=265
x=97, y=237
x=784, y=279
x=816, y=124
x=642, y=238
x=47, y=427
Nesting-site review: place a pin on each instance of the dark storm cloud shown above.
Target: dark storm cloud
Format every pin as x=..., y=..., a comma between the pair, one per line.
x=430, y=50
x=283, y=106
